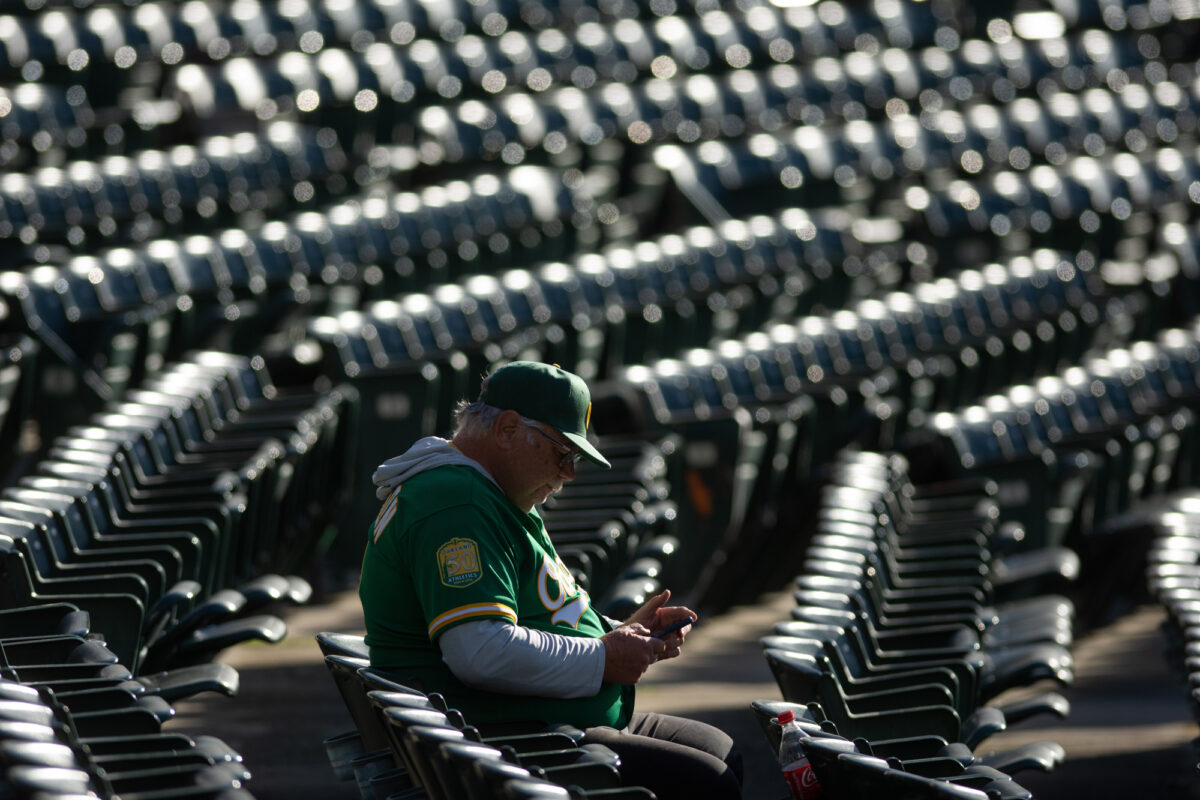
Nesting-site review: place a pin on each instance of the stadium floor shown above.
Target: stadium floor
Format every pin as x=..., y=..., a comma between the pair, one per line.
x=1129, y=734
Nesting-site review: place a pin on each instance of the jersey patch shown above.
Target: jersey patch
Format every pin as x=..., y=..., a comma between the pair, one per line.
x=458, y=563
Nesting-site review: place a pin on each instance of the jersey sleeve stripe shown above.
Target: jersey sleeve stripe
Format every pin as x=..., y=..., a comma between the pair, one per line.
x=385, y=515
x=473, y=611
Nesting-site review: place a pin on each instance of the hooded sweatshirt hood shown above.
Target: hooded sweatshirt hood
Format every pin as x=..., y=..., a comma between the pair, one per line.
x=425, y=454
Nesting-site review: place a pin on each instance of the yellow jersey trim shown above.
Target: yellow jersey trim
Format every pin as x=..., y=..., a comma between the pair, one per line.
x=472, y=611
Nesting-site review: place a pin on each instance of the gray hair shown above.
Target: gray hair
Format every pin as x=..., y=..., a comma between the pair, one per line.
x=473, y=419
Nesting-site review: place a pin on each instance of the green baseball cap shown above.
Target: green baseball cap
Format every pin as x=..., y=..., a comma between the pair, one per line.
x=546, y=393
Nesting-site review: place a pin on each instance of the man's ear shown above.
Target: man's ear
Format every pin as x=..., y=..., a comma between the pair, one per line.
x=506, y=429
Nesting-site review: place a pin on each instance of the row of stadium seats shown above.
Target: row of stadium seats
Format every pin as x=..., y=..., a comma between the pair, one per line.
x=104, y=42
x=123, y=201
x=1073, y=453
x=217, y=273
x=857, y=770
x=517, y=127
x=777, y=405
x=140, y=546
x=107, y=322
x=378, y=242
x=42, y=118
x=766, y=35
x=426, y=16
x=348, y=91
x=1103, y=194
x=1173, y=580
x=413, y=358
x=910, y=623
x=77, y=725
x=167, y=517
x=250, y=28
x=379, y=342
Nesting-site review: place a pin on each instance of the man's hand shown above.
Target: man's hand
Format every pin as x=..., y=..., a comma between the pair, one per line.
x=655, y=614
x=628, y=652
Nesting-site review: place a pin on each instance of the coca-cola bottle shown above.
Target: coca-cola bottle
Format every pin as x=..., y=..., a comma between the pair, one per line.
x=796, y=770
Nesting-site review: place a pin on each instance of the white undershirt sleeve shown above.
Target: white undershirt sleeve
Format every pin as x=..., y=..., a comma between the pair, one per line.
x=501, y=657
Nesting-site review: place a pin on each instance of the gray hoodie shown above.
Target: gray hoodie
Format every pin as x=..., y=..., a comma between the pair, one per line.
x=425, y=454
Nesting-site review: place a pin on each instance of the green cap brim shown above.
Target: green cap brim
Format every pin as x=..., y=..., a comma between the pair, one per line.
x=585, y=447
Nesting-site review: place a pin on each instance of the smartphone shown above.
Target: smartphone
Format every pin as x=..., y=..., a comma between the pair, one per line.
x=674, y=626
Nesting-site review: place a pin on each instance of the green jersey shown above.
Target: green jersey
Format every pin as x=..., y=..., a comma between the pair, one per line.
x=447, y=548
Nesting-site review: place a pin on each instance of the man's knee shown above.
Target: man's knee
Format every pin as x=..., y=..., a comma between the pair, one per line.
x=675, y=758
x=699, y=736
x=690, y=732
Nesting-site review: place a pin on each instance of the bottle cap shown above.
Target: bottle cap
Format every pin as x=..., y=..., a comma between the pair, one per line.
x=786, y=716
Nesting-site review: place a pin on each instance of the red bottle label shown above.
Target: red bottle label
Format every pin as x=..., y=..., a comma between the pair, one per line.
x=802, y=780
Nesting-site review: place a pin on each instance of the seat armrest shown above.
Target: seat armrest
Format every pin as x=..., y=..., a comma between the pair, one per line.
x=984, y=722
x=1043, y=756
x=206, y=642
x=184, y=682
x=1045, y=703
x=1049, y=569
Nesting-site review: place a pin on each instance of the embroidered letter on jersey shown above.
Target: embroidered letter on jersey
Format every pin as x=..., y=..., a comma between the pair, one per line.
x=458, y=563
x=566, y=590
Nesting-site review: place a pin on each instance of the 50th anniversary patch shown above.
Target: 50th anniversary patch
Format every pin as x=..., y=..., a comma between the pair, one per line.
x=458, y=562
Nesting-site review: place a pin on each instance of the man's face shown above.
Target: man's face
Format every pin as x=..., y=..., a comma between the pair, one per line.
x=541, y=463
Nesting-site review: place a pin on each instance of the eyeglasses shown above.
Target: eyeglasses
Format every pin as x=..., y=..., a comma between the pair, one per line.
x=570, y=457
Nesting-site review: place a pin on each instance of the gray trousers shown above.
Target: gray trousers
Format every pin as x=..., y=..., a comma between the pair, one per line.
x=674, y=757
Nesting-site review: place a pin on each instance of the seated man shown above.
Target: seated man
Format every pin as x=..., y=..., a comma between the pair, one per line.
x=464, y=594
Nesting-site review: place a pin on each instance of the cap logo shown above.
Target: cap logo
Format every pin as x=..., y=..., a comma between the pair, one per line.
x=587, y=420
